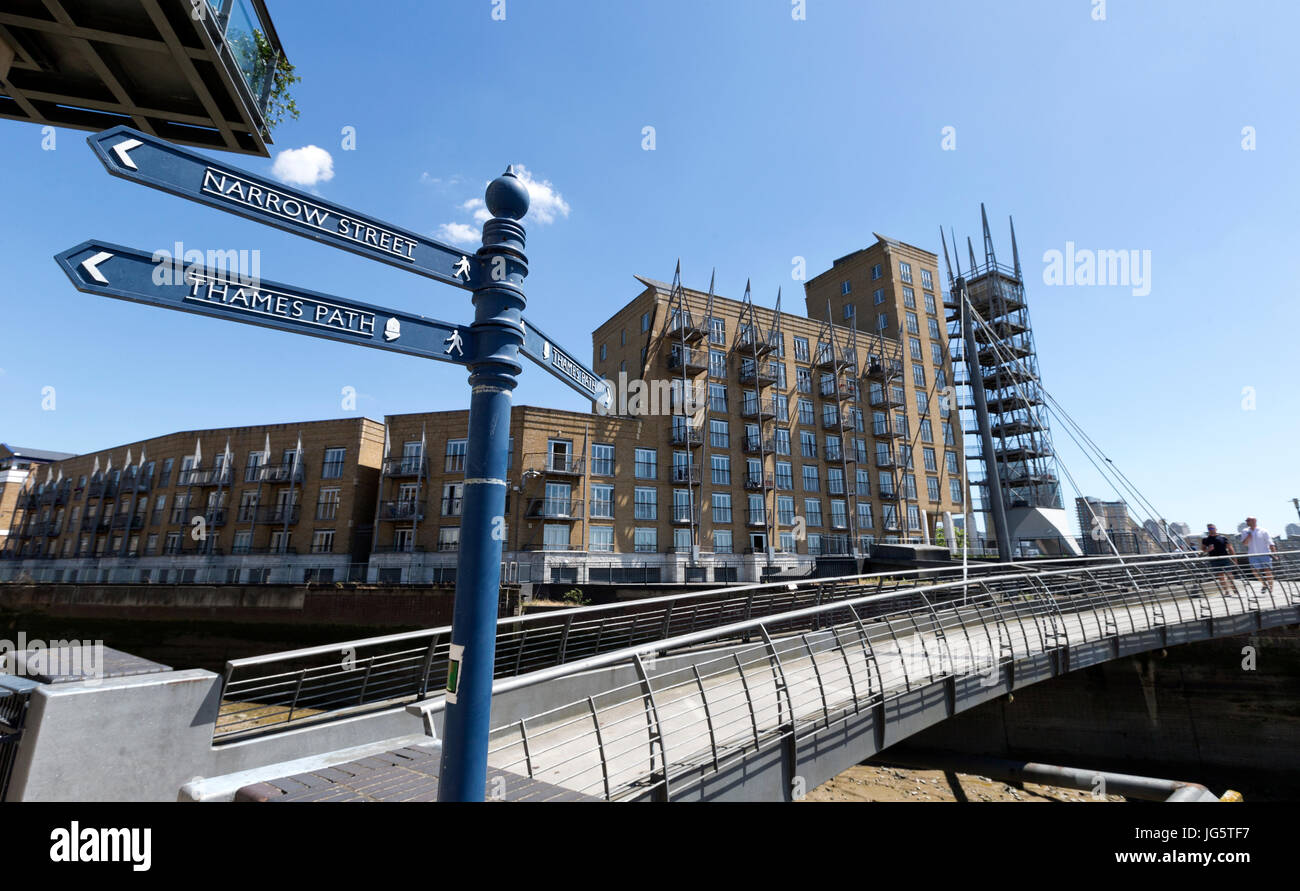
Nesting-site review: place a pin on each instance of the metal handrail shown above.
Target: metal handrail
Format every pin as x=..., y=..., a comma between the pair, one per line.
x=524, y=644
x=942, y=626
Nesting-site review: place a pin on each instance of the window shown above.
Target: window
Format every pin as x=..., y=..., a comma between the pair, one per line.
x=878, y=296
x=623, y=337
x=846, y=288
x=717, y=363
x=929, y=303
x=555, y=537
x=719, y=434
x=721, y=507
x=602, y=539
x=683, y=511
x=449, y=538
x=839, y=514
x=322, y=541
x=645, y=322
x=453, y=499
x=781, y=406
x=830, y=414
x=926, y=280
x=722, y=541
x=602, y=502
x=602, y=459
x=801, y=349
x=909, y=298
x=936, y=353
x=647, y=465
x=645, y=540
x=864, y=515
x=909, y=486
x=782, y=441
x=784, y=510
x=848, y=312
x=882, y=321
x=784, y=475
x=173, y=545
x=806, y=416
x=947, y=433
x=954, y=490
x=918, y=375
x=905, y=271
x=929, y=459
x=807, y=444
x=646, y=504
x=718, y=332
x=886, y=483
x=327, y=505
x=933, y=326
x=604, y=351
x=913, y=517
x=876, y=272
x=864, y=482
x=717, y=397
x=835, y=480
x=332, y=468
x=950, y=461
x=922, y=403
x=932, y=487
x=164, y=480
x=810, y=480
x=812, y=511
x=720, y=466
x=456, y=455
x=802, y=380
x=913, y=324
x=833, y=450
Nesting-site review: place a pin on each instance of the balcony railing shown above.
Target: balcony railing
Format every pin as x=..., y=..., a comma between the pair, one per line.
x=212, y=476
x=751, y=341
x=684, y=514
x=554, y=509
x=270, y=473
x=829, y=358
x=763, y=376
x=555, y=464
x=407, y=466
x=686, y=473
x=759, y=445
x=757, y=408
x=683, y=326
x=402, y=510
x=887, y=398
x=759, y=481
x=689, y=359
x=691, y=437
x=120, y=521
x=269, y=513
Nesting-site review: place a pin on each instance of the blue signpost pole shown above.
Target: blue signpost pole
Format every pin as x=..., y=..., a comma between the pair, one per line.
x=497, y=335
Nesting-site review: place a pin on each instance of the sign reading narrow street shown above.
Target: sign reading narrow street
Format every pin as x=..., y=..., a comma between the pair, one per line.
x=153, y=162
x=110, y=270
x=490, y=347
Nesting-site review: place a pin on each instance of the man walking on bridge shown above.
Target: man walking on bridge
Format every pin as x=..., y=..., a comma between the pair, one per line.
x=1218, y=548
x=1259, y=546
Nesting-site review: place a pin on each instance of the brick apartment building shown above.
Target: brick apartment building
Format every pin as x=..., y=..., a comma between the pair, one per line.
x=768, y=441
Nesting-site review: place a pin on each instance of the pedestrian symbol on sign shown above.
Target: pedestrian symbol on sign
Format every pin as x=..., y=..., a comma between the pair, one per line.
x=454, y=343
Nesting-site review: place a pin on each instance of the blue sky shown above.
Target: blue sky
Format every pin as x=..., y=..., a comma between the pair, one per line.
x=775, y=138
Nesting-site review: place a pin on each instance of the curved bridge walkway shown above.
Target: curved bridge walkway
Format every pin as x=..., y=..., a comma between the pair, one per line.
x=807, y=693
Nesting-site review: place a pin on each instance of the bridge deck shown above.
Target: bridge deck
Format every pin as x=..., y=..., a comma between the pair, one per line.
x=728, y=704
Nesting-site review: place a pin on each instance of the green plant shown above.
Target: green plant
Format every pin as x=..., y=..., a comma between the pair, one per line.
x=575, y=597
x=280, y=104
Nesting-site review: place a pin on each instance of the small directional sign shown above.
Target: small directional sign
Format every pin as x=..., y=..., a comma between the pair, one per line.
x=542, y=350
x=110, y=270
x=153, y=162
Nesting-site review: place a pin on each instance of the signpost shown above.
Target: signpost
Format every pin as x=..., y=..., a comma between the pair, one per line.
x=490, y=347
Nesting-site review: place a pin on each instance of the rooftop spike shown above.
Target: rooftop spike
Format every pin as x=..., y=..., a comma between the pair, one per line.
x=1015, y=248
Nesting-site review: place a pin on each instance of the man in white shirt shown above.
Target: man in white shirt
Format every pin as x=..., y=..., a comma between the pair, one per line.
x=1258, y=545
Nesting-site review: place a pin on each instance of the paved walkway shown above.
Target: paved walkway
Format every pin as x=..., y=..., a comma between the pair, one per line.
x=605, y=746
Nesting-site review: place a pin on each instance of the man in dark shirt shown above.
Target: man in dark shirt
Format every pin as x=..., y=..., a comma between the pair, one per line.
x=1218, y=548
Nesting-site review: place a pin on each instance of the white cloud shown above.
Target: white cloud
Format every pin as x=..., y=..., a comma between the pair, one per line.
x=479, y=208
x=546, y=203
x=304, y=166
x=458, y=233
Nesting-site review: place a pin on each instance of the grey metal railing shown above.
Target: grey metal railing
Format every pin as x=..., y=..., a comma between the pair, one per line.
x=282, y=690
x=800, y=672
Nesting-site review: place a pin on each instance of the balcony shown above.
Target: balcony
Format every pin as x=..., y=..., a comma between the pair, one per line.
x=690, y=360
x=758, y=445
x=831, y=421
x=757, y=343
x=757, y=408
x=888, y=397
x=834, y=359
x=683, y=327
x=683, y=514
x=888, y=431
x=841, y=390
x=686, y=474
x=102, y=488
x=886, y=459
x=270, y=513
x=215, y=516
x=691, y=437
x=406, y=466
x=402, y=510
x=764, y=377
x=243, y=550
x=269, y=473
x=553, y=509
x=555, y=464
x=757, y=482
x=141, y=483
x=213, y=476
x=120, y=521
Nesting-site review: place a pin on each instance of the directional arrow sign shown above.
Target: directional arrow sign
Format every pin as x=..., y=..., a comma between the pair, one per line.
x=542, y=350
x=154, y=162
x=110, y=270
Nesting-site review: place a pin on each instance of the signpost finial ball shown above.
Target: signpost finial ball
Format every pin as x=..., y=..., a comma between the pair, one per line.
x=507, y=196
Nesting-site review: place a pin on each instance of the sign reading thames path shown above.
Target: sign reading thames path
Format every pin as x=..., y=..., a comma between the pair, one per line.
x=490, y=347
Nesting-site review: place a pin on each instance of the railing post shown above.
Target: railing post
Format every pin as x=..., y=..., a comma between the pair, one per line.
x=749, y=699
x=600, y=745
x=653, y=725
x=564, y=639
x=528, y=755
x=817, y=672
x=427, y=666
x=708, y=715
